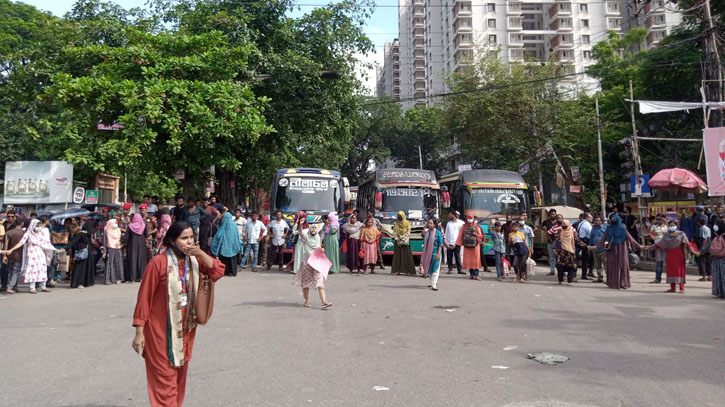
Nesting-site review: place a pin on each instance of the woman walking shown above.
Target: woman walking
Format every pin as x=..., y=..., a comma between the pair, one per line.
x=36, y=250
x=402, y=254
x=369, y=238
x=299, y=231
x=226, y=244
x=307, y=277
x=616, y=241
x=470, y=238
x=164, y=322
x=565, y=248
x=84, y=253
x=675, y=243
x=136, y=253
x=331, y=243
x=164, y=225
x=430, y=260
x=718, y=262
x=113, y=252
x=351, y=232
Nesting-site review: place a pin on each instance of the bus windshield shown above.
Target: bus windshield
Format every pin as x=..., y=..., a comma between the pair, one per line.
x=414, y=202
x=307, y=194
x=484, y=202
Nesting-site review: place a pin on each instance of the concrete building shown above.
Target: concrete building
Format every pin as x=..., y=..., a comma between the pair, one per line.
x=657, y=16
x=388, y=77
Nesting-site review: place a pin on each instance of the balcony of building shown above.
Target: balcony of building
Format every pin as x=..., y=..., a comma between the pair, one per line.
x=654, y=37
x=396, y=74
x=419, y=2
x=654, y=5
x=419, y=43
x=419, y=75
x=419, y=84
x=463, y=24
x=419, y=22
x=419, y=11
x=560, y=9
x=419, y=53
x=567, y=72
x=463, y=40
x=463, y=56
x=462, y=8
x=562, y=24
x=612, y=8
x=419, y=64
x=420, y=96
x=516, y=55
x=656, y=21
x=419, y=32
x=516, y=40
x=565, y=55
x=614, y=23
x=515, y=23
x=513, y=8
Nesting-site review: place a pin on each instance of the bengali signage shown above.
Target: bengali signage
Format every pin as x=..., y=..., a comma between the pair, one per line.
x=400, y=176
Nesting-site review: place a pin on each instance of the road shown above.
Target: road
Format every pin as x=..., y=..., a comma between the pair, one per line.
x=638, y=347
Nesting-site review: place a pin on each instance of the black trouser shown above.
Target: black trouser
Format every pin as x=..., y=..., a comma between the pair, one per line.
x=451, y=254
x=275, y=256
x=4, y=275
x=586, y=259
x=230, y=266
x=568, y=270
x=483, y=258
x=703, y=265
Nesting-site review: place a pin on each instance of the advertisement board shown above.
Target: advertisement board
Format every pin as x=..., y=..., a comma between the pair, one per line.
x=38, y=182
x=714, y=142
x=92, y=196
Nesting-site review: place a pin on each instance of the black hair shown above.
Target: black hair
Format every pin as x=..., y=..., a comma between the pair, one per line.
x=552, y=210
x=277, y=211
x=19, y=222
x=497, y=224
x=190, y=200
x=155, y=197
x=673, y=221
x=175, y=230
x=701, y=221
x=205, y=199
x=435, y=221
x=10, y=212
x=165, y=211
x=43, y=218
x=356, y=211
x=178, y=196
x=253, y=213
x=597, y=217
x=147, y=196
x=33, y=215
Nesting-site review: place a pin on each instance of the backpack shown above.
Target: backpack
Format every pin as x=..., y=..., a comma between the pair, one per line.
x=717, y=246
x=470, y=237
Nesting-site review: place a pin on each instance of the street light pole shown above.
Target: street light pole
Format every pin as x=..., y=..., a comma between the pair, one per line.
x=602, y=199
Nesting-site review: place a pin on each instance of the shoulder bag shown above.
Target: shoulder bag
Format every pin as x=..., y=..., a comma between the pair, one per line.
x=204, y=299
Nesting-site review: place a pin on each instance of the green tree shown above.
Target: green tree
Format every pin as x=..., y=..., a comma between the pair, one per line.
x=422, y=127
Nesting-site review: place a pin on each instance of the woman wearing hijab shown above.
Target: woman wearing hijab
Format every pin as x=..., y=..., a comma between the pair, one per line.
x=331, y=243
x=165, y=327
x=164, y=225
x=369, y=241
x=113, y=252
x=469, y=235
x=136, y=253
x=430, y=260
x=565, y=248
x=299, y=230
x=718, y=263
x=617, y=242
x=226, y=244
x=402, y=254
x=307, y=277
x=84, y=252
x=675, y=243
x=36, y=250
x=351, y=232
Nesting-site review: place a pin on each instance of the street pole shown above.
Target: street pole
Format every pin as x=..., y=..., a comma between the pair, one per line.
x=635, y=156
x=125, y=183
x=420, y=157
x=601, y=164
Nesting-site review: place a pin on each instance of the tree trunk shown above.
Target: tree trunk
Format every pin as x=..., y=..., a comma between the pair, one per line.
x=226, y=194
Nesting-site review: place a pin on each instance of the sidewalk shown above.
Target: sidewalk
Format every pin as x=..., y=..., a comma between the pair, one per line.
x=649, y=265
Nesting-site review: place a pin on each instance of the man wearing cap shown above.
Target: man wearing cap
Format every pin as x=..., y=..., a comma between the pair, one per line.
x=453, y=251
x=124, y=218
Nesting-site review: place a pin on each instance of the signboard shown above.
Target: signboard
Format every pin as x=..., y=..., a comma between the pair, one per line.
x=639, y=186
x=92, y=196
x=38, y=182
x=524, y=168
x=306, y=185
x=179, y=174
x=575, y=174
x=575, y=189
x=403, y=176
x=713, y=140
x=464, y=167
x=79, y=195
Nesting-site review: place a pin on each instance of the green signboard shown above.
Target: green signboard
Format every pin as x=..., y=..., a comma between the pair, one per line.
x=92, y=196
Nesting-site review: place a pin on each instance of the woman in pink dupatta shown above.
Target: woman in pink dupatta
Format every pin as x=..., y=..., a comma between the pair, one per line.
x=164, y=225
x=136, y=251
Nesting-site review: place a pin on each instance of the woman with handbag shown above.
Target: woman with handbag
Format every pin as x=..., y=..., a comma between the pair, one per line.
x=170, y=304
x=36, y=248
x=369, y=238
x=402, y=254
x=84, y=252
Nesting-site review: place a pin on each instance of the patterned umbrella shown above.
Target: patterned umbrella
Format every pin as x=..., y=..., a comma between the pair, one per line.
x=678, y=180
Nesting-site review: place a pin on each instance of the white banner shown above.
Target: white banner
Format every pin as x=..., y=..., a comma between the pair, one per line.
x=38, y=182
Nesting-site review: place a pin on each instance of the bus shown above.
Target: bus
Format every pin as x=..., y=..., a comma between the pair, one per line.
x=415, y=192
x=315, y=191
x=488, y=194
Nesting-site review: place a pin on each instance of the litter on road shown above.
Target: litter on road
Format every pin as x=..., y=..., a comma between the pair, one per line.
x=499, y=367
x=510, y=347
x=380, y=388
x=547, y=358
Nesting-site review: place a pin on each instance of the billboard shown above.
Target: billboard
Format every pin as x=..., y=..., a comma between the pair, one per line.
x=38, y=182
x=714, y=143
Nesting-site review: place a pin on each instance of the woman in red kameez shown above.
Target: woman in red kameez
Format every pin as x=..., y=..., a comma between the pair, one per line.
x=165, y=328
x=675, y=243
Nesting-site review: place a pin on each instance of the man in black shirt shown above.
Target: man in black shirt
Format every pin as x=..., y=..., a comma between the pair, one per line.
x=547, y=225
x=178, y=213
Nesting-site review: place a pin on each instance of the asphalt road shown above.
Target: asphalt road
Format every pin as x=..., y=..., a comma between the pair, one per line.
x=639, y=347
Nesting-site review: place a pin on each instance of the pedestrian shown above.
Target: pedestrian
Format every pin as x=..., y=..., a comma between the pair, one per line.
x=520, y=251
x=113, y=252
x=687, y=225
x=36, y=251
x=351, y=233
x=226, y=244
x=213, y=200
x=718, y=259
x=379, y=226
x=84, y=252
x=598, y=255
x=307, y=277
x=676, y=244
x=152, y=207
x=453, y=251
x=719, y=212
x=566, y=243
x=632, y=223
x=506, y=228
x=430, y=259
x=278, y=230
x=206, y=222
x=164, y=225
x=14, y=260
x=703, y=237
x=617, y=243
x=330, y=242
x=192, y=214
x=499, y=248
x=402, y=254
x=5, y=227
x=470, y=238
x=165, y=326
x=124, y=218
x=548, y=226
x=151, y=228
x=659, y=229
x=178, y=213
x=136, y=253
x=253, y=229
x=263, y=239
x=369, y=241
x=584, y=232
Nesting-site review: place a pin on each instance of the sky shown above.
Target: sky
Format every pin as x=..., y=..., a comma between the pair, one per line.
x=381, y=27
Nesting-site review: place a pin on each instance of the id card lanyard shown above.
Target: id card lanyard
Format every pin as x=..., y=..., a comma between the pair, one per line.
x=184, y=295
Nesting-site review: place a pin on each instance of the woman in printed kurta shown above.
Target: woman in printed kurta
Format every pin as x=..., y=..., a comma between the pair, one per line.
x=471, y=255
x=675, y=243
x=618, y=242
x=114, y=252
x=369, y=245
x=309, y=278
x=36, y=249
x=565, y=248
x=402, y=254
x=351, y=232
x=299, y=231
x=430, y=260
x=166, y=367
x=331, y=243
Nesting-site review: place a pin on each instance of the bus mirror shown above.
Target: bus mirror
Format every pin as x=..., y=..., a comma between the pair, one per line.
x=378, y=200
x=446, y=199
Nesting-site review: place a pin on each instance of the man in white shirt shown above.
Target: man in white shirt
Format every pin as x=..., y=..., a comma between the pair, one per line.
x=278, y=230
x=253, y=230
x=453, y=228
x=584, y=230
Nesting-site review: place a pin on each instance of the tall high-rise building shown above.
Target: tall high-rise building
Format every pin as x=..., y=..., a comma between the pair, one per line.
x=388, y=76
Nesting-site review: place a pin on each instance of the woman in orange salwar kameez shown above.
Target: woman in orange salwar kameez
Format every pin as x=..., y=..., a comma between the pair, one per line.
x=471, y=243
x=165, y=328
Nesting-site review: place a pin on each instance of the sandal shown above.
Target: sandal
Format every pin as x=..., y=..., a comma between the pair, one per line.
x=670, y=291
x=326, y=305
x=307, y=304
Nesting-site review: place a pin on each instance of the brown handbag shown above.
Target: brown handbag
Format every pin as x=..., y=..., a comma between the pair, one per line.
x=59, y=238
x=204, y=299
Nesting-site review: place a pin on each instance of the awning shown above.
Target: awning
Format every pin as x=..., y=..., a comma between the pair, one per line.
x=652, y=106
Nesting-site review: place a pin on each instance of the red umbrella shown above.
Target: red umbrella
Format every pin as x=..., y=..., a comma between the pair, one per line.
x=678, y=180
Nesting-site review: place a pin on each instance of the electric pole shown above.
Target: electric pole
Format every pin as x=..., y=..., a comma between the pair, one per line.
x=602, y=199
x=635, y=157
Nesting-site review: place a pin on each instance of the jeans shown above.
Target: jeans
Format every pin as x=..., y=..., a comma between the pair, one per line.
x=519, y=265
x=499, y=268
x=14, y=275
x=255, y=250
x=474, y=272
x=658, y=270
x=552, y=257
x=275, y=256
x=451, y=254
